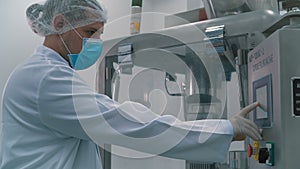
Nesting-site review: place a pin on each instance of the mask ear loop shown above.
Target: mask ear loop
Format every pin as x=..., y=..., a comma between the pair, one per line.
x=77, y=32
x=65, y=45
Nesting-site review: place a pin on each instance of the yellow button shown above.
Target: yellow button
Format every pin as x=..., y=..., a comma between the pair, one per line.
x=256, y=146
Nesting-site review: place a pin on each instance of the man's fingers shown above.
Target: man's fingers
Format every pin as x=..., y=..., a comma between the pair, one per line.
x=249, y=108
x=250, y=129
x=253, y=132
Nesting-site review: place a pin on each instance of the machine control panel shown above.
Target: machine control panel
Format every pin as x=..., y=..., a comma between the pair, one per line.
x=264, y=154
x=262, y=92
x=296, y=96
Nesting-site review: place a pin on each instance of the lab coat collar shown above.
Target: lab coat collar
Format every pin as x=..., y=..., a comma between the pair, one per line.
x=50, y=53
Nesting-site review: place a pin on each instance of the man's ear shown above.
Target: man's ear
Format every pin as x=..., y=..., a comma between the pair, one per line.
x=59, y=22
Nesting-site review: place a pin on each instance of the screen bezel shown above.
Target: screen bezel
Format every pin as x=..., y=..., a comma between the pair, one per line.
x=262, y=82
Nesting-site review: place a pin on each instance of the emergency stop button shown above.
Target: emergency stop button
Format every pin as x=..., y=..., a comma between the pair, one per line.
x=250, y=150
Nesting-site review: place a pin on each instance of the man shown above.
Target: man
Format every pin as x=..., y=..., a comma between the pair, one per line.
x=52, y=119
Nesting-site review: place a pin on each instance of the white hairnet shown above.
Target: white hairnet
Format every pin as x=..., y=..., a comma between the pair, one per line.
x=76, y=13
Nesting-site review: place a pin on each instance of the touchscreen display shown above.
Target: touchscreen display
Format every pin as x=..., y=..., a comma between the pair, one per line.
x=262, y=92
x=261, y=96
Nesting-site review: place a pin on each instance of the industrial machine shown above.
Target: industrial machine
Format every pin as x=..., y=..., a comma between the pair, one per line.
x=273, y=75
x=210, y=69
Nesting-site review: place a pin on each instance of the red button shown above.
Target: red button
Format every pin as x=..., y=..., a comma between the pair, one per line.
x=250, y=150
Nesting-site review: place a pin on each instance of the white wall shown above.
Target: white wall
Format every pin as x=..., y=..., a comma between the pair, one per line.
x=17, y=40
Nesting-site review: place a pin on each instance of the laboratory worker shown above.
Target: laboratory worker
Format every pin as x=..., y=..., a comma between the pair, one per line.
x=52, y=119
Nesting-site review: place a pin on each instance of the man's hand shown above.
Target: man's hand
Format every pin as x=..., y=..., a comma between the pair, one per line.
x=243, y=127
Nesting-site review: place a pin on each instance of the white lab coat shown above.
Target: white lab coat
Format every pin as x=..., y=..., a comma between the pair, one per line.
x=52, y=119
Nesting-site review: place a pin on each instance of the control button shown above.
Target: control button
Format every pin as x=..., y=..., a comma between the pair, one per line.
x=250, y=150
x=263, y=155
x=256, y=148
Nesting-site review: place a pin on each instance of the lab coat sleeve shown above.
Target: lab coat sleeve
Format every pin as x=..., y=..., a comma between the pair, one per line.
x=69, y=107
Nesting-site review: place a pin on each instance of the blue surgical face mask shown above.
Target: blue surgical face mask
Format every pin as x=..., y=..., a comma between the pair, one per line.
x=89, y=54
